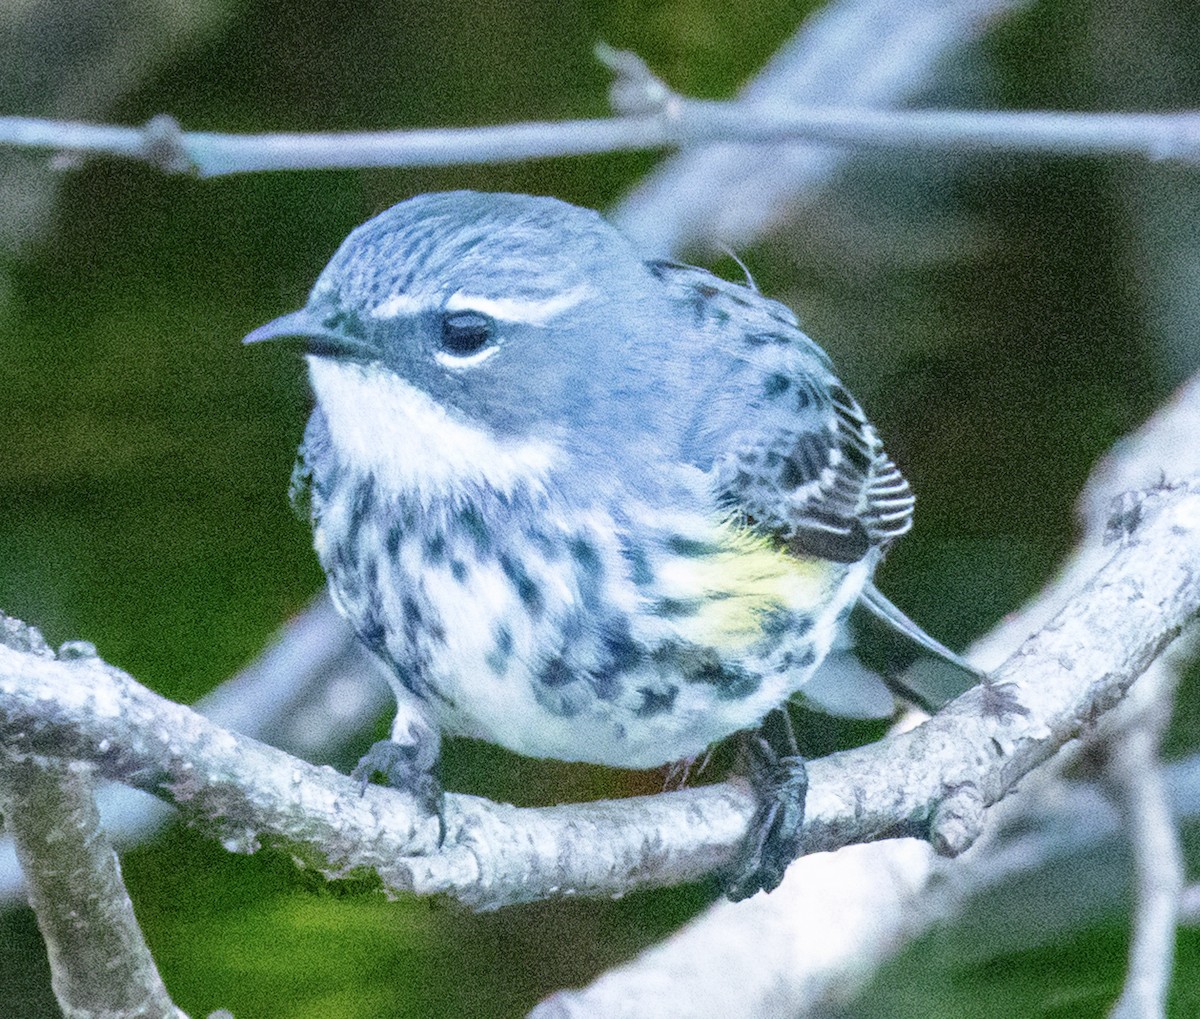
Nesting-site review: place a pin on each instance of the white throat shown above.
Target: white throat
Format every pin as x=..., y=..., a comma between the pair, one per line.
x=379, y=423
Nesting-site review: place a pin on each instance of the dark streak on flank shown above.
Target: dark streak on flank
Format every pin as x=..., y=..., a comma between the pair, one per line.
x=779, y=621
x=805, y=658
x=655, y=702
x=501, y=654
x=584, y=553
x=435, y=548
x=776, y=385
x=763, y=339
x=373, y=633
x=556, y=673
x=691, y=548
x=527, y=590
x=640, y=571
x=622, y=651
x=678, y=608
x=702, y=665
x=413, y=621
x=362, y=507
x=473, y=523
x=590, y=573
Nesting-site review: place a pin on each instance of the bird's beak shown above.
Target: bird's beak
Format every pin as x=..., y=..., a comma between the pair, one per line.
x=312, y=335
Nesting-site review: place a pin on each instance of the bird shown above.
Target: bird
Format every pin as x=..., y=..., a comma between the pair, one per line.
x=584, y=504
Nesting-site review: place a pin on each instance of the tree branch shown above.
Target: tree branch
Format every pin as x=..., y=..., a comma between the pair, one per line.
x=934, y=781
x=781, y=946
x=100, y=965
x=1189, y=905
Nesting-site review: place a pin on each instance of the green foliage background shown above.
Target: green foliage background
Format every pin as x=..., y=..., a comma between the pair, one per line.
x=1003, y=319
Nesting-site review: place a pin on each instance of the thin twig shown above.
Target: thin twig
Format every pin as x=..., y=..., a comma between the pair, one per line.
x=1136, y=775
x=679, y=123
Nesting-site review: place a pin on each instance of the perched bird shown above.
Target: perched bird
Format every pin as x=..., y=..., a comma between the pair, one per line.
x=583, y=505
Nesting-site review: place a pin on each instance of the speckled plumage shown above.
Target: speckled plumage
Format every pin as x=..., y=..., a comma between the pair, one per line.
x=624, y=526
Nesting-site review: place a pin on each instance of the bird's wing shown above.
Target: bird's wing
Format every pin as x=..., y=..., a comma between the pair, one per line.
x=809, y=469
x=792, y=455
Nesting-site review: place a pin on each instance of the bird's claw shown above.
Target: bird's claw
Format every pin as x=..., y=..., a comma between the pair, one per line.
x=773, y=840
x=407, y=767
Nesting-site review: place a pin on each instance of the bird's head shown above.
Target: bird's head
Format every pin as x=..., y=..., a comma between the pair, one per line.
x=464, y=327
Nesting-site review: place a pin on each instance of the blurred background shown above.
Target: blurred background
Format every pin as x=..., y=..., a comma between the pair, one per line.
x=1003, y=318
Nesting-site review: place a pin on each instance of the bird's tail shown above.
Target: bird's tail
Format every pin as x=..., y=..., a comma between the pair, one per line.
x=874, y=601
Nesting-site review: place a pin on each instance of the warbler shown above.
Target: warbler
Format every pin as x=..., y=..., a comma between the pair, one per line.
x=582, y=504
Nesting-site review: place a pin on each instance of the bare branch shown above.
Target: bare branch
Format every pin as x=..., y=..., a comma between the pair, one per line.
x=312, y=692
x=100, y=965
x=780, y=946
x=1056, y=685
x=85, y=709
x=884, y=896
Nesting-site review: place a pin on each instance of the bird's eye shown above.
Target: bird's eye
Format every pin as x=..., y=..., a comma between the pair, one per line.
x=466, y=332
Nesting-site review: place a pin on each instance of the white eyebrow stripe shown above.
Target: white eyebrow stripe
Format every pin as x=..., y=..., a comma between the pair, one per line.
x=399, y=304
x=511, y=309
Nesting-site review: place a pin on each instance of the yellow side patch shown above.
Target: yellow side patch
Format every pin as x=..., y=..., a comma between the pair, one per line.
x=719, y=591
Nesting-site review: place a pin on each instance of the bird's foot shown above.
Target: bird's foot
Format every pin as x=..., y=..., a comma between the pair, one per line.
x=773, y=840
x=409, y=767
